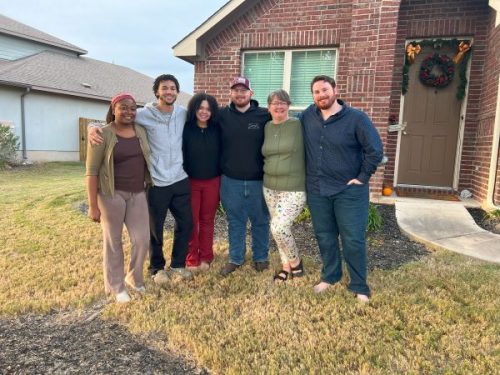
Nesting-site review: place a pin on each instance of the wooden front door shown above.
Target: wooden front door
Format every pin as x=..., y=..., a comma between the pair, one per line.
x=428, y=145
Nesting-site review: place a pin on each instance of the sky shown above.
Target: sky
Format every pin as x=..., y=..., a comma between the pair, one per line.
x=137, y=34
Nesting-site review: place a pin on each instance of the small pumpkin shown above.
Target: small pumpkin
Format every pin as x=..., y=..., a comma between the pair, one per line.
x=387, y=191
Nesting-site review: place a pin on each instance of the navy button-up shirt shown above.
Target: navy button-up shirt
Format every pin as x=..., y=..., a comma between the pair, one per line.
x=343, y=147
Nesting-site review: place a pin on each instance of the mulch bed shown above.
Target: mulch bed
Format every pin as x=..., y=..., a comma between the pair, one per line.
x=64, y=342
x=490, y=224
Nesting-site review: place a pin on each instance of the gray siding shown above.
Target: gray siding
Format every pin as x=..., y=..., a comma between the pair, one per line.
x=12, y=48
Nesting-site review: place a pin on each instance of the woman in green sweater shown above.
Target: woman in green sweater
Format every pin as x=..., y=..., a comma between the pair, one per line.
x=284, y=180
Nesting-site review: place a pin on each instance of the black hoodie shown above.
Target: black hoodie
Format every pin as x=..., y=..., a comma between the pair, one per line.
x=242, y=135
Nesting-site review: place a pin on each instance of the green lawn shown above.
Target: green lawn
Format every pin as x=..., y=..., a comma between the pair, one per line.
x=439, y=315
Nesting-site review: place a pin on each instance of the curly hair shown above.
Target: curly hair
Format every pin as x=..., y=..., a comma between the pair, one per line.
x=165, y=77
x=195, y=103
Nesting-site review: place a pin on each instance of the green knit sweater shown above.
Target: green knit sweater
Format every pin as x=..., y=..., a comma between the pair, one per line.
x=284, y=160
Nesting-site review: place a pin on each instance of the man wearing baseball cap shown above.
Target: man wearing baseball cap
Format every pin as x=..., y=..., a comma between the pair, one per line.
x=242, y=130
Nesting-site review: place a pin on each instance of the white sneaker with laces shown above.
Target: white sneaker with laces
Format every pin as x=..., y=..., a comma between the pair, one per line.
x=122, y=297
x=161, y=277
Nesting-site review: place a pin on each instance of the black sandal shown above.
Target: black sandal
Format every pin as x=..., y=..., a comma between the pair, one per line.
x=298, y=271
x=281, y=276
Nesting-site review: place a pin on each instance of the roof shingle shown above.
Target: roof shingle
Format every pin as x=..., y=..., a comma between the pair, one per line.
x=20, y=30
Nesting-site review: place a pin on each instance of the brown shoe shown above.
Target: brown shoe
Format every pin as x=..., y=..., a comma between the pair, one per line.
x=229, y=268
x=261, y=266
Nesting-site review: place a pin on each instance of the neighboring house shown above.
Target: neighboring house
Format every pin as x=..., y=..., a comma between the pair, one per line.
x=448, y=144
x=46, y=85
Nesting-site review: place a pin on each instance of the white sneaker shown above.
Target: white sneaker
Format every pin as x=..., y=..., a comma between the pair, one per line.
x=138, y=289
x=122, y=297
x=181, y=273
x=161, y=277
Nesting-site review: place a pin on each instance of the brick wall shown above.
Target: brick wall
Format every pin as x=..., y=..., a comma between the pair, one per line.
x=362, y=30
x=422, y=19
x=370, y=36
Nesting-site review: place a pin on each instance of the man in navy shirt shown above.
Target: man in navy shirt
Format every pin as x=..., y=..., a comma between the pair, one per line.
x=343, y=149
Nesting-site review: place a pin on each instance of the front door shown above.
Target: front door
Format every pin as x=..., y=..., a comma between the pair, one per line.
x=428, y=145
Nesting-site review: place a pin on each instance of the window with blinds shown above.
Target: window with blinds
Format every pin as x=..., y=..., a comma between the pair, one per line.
x=265, y=72
x=290, y=70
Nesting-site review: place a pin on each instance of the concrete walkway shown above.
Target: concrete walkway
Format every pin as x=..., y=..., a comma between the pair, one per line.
x=446, y=225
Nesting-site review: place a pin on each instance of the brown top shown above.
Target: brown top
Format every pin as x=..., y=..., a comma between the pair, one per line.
x=129, y=164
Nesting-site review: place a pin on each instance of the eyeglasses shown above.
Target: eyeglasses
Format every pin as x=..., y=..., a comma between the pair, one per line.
x=278, y=104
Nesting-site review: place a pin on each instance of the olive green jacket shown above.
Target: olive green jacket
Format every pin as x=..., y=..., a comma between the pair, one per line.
x=100, y=159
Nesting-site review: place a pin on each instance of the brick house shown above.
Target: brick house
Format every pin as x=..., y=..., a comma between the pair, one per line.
x=444, y=134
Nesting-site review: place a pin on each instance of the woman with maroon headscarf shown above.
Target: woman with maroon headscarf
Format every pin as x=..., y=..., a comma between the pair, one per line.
x=117, y=172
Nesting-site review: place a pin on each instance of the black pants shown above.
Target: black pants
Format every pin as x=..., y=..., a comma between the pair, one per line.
x=177, y=199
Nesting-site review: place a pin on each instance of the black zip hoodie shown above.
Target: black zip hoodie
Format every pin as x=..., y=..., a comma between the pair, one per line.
x=242, y=135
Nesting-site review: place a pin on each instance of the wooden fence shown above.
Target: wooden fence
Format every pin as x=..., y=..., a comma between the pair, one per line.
x=83, y=125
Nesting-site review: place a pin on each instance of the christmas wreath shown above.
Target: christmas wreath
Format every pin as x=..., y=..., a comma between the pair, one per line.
x=463, y=48
x=444, y=64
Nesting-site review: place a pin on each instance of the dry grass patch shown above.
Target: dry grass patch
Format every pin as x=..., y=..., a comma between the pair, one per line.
x=434, y=316
x=437, y=315
x=48, y=251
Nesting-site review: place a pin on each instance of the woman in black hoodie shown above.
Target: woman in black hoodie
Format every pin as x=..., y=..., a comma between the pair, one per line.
x=201, y=152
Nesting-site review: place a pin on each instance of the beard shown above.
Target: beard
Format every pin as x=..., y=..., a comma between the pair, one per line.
x=326, y=103
x=242, y=102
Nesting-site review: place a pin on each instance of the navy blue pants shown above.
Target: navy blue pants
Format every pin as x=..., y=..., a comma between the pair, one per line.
x=343, y=215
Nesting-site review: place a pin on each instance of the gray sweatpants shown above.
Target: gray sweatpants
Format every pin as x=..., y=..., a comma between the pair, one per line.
x=130, y=209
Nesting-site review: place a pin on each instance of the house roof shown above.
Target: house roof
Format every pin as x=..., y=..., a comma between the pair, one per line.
x=191, y=46
x=78, y=76
x=20, y=30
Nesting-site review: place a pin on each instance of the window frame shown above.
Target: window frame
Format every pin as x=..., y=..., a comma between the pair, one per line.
x=287, y=65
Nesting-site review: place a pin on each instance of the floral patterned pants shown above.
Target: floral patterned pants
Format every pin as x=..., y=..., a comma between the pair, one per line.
x=284, y=207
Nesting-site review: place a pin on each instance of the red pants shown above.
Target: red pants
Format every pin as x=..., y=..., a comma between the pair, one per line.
x=204, y=203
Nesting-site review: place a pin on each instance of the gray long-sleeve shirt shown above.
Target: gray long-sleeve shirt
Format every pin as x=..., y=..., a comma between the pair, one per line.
x=164, y=132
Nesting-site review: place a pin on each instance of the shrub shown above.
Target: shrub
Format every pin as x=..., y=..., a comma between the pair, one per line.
x=374, y=218
x=8, y=145
x=491, y=215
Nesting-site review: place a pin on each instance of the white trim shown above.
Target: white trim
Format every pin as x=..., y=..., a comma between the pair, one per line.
x=189, y=46
x=287, y=65
x=495, y=4
x=461, y=126
x=287, y=71
x=490, y=202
